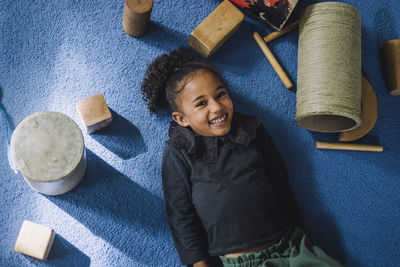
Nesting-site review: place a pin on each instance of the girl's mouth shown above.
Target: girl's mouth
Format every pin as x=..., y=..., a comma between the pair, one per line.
x=219, y=121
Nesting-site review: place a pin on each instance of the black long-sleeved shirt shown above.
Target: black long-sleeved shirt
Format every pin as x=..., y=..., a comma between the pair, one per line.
x=225, y=194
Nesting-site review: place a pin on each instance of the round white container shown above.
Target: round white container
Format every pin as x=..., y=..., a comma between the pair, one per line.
x=49, y=151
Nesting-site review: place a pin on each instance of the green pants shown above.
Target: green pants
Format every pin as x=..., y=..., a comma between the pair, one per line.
x=291, y=250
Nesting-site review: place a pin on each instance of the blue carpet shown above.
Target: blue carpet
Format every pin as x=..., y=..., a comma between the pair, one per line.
x=54, y=53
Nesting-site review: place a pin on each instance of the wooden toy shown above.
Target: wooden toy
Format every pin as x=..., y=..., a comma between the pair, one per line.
x=34, y=240
x=94, y=112
x=48, y=149
x=277, y=34
x=347, y=146
x=369, y=113
x=391, y=58
x=137, y=16
x=216, y=29
x=274, y=62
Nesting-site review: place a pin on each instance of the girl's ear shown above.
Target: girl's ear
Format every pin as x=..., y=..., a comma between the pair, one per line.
x=180, y=119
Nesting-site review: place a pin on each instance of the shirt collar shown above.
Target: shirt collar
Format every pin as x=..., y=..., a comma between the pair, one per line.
x=243, y=130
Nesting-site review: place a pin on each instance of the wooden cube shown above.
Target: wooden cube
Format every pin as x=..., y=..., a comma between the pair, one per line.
x=94, y=113
x=34, y=240
x=216, y=29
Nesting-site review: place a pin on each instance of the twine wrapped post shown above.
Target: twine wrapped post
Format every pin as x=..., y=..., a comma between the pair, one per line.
x=391, y=58
x=136, y=18
x=329, y=68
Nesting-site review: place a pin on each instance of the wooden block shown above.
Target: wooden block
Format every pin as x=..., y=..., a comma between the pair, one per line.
x=136, y=17
x=94, y=112
x=34, y=240
x=391, y=59
x=216, y=29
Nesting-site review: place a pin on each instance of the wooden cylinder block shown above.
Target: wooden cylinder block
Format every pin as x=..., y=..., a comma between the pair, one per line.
x=136, y=18
x=391, y=58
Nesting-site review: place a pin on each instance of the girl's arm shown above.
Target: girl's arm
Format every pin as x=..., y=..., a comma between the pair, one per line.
x=186, y=228
x=278, y=178
x=200, y=264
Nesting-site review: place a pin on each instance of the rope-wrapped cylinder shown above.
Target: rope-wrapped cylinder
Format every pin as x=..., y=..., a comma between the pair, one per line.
x=329, y=68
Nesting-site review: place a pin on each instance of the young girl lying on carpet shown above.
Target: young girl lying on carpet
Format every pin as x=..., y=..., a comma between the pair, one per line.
x=225, y=185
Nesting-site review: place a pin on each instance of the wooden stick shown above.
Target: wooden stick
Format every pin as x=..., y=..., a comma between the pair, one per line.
x=276, y=34
x=347, y=146
x=274, y=62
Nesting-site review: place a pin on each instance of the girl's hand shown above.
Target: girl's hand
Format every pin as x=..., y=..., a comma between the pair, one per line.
x=200, y=264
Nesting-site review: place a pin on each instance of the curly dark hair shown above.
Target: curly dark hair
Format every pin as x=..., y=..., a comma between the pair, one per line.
x=167, y=76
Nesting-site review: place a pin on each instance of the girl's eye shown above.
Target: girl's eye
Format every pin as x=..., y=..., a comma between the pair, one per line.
x=221, y=94
x=201, y=103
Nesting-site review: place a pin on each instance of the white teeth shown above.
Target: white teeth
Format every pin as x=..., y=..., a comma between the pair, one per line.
x=219, y=121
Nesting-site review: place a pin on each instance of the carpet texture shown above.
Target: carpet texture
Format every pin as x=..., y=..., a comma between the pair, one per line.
x=55, y=53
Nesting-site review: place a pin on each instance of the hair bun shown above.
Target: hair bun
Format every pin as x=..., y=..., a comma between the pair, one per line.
x=158, y=74
x=180, y=57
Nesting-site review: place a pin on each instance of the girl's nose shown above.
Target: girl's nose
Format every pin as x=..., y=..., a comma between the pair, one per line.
x=215, y=106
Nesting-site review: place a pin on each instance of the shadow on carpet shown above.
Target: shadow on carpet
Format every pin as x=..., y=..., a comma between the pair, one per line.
x=122, y=138
x=117, y=210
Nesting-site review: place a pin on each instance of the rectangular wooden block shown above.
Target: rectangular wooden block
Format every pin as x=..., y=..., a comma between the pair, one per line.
x=216, y=29
x=34, y=240
x=94, y=113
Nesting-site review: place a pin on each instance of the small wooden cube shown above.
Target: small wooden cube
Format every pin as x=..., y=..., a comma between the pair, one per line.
x=34, y=240
x=94, y=113
x=216, y=29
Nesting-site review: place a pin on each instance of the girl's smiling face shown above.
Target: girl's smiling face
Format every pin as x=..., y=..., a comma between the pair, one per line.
x=205, y=105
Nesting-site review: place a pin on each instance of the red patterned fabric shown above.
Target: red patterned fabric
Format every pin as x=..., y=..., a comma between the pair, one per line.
x=274, y=12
